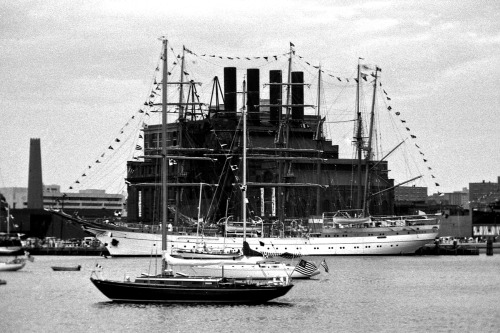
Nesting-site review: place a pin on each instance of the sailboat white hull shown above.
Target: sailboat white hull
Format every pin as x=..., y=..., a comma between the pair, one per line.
x=6, y=250
x=245, y=271
x=372, y=241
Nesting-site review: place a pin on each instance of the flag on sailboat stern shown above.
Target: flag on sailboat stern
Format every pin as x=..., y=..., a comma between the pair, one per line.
x=325, y=266
x=306, y=267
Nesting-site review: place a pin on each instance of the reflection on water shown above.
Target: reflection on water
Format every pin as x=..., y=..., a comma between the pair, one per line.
x=360, y=294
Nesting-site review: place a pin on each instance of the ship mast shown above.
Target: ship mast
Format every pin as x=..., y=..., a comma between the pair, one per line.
x=369, y=147
x=318, y=144
x=284, y=166
x=180, y=129
x=164, y=160
x=359, y=138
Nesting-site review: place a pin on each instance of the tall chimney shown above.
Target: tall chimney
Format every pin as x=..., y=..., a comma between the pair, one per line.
x=253, y=93
x=275, y=96
x=298, y=96
x=230, y=91
x=35, y=185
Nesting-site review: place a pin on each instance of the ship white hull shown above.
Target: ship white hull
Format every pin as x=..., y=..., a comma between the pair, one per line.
x=124, y=243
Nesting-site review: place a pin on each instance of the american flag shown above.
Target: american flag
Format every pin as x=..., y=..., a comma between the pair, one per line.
x=306, y=267
x=325, y=266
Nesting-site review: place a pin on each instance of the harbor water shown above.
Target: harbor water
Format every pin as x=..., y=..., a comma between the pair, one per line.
x=359, y=294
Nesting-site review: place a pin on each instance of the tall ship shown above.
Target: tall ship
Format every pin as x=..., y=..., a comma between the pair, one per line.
x=300, y=197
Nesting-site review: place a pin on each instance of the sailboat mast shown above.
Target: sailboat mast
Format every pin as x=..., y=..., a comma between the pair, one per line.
x=199, y=213
x=359, y=140
x=164, y=160
x=8, y=220
x=369, y=147
x=244, y=186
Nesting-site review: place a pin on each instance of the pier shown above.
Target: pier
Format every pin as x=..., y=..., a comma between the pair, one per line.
x=67, y=251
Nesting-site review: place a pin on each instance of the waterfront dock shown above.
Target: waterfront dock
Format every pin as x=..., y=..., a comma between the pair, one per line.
x=67, y=251
x=458, y=248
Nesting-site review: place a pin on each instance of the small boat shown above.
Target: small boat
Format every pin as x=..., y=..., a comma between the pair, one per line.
x=66, y=268
x=12, y=265
x=10, y=244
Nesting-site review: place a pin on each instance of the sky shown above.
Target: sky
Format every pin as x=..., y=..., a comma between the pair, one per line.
x=75, y=74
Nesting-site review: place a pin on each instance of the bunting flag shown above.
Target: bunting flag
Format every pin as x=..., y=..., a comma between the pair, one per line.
x=138, y=147
x=437, y=184
x=117, y=140
x=389, y=108
x=234, y=167
x=413, y=136
x=110, y=147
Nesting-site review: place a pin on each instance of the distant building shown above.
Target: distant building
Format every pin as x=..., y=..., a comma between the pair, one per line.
x=481, y=193
x=91, y=203
x=485, y=205
x=459, y=198
x=410, y=193
x=409, y=200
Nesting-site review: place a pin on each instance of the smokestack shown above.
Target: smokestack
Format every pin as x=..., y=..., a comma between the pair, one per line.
x=230, y=91
x=275, y=95
x=35, y=185
x=253, y=93
x=298, y=96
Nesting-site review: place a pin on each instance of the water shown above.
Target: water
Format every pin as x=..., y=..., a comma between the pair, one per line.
x=360, y=294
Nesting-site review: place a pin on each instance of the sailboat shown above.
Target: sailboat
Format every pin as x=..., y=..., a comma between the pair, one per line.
x=10, y=244
x=15, y=264
x=201, y=251
x=167, y=288
x=333, y=232
x=12, y=265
